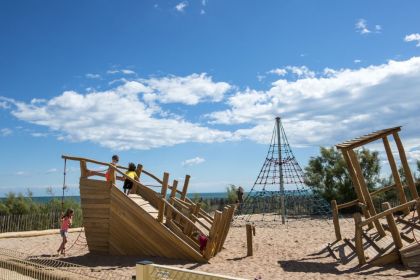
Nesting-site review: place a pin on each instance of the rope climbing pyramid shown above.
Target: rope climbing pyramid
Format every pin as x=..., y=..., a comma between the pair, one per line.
x=279, y=192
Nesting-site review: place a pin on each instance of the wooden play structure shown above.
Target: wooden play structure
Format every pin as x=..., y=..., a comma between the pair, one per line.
x=383, y=235
x=147, y=222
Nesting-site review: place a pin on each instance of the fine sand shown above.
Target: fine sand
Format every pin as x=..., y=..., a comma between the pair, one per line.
x=293, y=251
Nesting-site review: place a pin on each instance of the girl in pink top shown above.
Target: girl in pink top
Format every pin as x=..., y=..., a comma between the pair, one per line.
x=66, y=220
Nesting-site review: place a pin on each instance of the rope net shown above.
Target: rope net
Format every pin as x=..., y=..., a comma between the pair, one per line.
x=281, y=182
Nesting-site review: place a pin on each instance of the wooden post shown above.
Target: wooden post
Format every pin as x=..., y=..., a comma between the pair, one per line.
x=363, y=187
x=174, y=186
x=335, y=219
x=209, y=252
x=83, y=169
x=169, y=211
x=112, y=175
x=358, y=239
x=249, y=240
x=418, y=208
x=393, y=227
x=356, y=184
x=406, y=168
x=163, y=196
x=394, y=169
x=185, y=188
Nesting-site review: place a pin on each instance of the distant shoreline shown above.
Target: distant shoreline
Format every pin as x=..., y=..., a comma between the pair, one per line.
x=45, y=199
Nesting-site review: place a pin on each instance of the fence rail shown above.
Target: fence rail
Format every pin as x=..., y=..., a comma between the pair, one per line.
x=37, y=221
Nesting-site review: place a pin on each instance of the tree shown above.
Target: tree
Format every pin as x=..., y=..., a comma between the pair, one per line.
x=232, y=195
x=328, y=176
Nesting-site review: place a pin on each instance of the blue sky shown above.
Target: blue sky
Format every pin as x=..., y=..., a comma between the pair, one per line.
x=194, y=86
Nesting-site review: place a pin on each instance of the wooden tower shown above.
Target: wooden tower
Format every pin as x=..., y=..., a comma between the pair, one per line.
x=374, y=244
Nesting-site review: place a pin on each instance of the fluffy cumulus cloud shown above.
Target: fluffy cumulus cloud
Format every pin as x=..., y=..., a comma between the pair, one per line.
x=117, y=118
x=180, y=7
x=362, y=27
x=193, y=161
x=415, y=37
x=188, y=90
x=332, y=107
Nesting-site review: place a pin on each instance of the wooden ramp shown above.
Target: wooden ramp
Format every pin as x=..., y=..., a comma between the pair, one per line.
x=146, y=222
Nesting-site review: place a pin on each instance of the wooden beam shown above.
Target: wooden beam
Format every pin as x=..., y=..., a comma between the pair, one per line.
x=163, y=196
x=365, y=191
x=335, y=219
x=386, y=212
x=365, y=139
x=249, y=240
x=393, y=227
x=360, y=252
x=185, y=188
x=356, y=184
x=394, y=169
x=407, y=171
x=173, y=190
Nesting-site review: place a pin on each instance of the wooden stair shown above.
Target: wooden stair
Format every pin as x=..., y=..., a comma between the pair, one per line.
x=145, y=205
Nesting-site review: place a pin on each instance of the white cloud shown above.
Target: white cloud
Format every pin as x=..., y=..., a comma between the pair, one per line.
x=202, y=12
x=5, y=131
x=116, y=119
x=193, y=161
x=39, y=134
x=330, y=108
x=92, y=76
x=278, y=71
x=51, y=170
x=180, y=7
x=203, y=2
x=4, y=105
x=20, y=173
x=357, y=61
x=361, y=26
x=299, y=71
x=378, y=28
x=188, y=90
x=121, y=71
x=413, y=37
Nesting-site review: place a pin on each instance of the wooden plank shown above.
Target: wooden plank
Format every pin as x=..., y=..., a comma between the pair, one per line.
x=358, y=239
x=335, y=219
x=395, y=175
x=212, y=242
x=365, y=191
x=365, y=139
x=406, y=167
x=250, y=251
x=393, y=227
x=161, y=237
x=185, y=187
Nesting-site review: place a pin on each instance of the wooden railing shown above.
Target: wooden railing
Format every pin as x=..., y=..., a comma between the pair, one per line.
x=336, y=207
x=389, y=215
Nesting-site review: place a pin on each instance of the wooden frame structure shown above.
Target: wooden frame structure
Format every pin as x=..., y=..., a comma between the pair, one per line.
x=146, y=222
x=382, y=248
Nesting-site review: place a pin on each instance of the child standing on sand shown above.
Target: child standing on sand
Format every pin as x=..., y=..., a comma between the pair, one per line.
x=115, y=159
x=128, y=185
x=66, y=220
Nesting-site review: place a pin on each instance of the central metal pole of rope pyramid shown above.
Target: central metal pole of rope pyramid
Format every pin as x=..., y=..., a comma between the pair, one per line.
x=283, y=209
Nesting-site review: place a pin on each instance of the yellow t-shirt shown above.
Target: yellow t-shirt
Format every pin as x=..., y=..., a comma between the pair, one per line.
x=131, y=174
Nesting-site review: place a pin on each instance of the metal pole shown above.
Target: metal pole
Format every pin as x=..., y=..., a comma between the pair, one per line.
x=283, y=209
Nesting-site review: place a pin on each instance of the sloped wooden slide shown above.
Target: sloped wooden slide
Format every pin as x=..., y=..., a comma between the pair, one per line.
x=146, y=222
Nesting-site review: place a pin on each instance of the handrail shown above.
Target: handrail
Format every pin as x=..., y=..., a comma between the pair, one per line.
x=109, y=165
x=387, y=212
x=173, y=208
x=378, y=191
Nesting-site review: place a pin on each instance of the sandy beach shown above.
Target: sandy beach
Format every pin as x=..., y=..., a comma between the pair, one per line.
x=293, y=251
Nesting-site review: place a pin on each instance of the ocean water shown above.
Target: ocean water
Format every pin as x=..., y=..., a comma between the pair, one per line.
x=45, y=199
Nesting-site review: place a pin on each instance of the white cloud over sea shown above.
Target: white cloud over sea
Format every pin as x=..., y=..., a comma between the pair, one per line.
x=317, y=107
